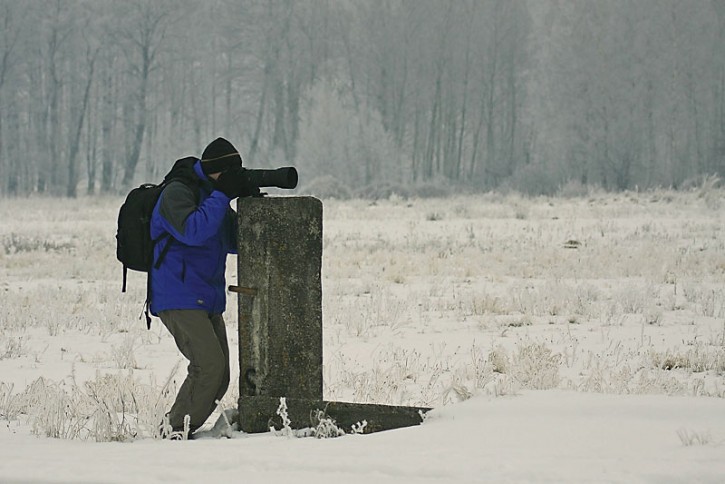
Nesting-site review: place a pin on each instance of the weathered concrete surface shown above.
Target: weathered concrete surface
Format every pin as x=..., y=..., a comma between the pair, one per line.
x=280, y=315
x=258, y=414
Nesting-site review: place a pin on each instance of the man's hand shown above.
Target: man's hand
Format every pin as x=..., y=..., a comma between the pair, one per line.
x=233, y=183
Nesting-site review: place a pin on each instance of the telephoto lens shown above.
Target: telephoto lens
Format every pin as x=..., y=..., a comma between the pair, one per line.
x=285, y=177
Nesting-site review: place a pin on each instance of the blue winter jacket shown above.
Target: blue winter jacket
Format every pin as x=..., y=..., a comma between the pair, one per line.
x=203, y=231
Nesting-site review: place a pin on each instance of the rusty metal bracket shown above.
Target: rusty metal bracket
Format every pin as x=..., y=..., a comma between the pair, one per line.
x=247, y=291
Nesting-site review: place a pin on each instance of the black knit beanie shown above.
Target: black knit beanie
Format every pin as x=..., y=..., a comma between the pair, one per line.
x=219, y=156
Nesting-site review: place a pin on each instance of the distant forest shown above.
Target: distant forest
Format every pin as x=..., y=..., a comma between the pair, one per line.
x=531, y=95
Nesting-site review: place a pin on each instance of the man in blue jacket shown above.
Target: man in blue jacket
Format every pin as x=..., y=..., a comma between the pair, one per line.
x=188, y=286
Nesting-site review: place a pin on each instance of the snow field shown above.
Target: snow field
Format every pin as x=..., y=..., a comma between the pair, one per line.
x=530, y=324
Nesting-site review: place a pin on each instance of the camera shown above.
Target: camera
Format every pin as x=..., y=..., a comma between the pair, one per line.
x=285, y=177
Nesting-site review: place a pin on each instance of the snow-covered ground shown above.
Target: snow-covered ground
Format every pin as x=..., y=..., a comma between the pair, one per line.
x=537, y=436
x=559, y=340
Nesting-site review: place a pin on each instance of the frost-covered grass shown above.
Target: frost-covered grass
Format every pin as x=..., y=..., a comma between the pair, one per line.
x=610, y=293
x=426, y=302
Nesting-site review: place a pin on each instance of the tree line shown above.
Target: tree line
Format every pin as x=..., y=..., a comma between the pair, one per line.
x=99, y=95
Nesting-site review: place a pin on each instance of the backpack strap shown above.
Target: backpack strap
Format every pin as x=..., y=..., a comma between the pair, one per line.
x=147, y=305
x=125, y=276
x=165, y=250
x=157, y=264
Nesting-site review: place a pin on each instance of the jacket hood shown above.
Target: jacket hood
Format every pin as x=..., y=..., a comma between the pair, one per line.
x=183, y=170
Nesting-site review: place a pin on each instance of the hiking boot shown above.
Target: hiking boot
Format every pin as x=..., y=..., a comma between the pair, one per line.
x=179, y=435
x=166, y=432
x=225, y=426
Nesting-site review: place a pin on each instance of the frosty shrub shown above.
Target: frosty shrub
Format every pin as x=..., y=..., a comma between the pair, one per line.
x=709, y=192
x=57, y=412
x=11, y=347
x=359, y=428
x=602, y=378
x=535, y=366
x=696, y=359
x=125, y=408
x=9, y=407
x=457, y=392
x=691, y=437
x=668, y=372
x=325, y=427
x=632, y=299
x=124, y=355
x=107, y=408
x=706, y=301
x=499, y=360
x=286, y=430
x=532, y=365
x=15, y=244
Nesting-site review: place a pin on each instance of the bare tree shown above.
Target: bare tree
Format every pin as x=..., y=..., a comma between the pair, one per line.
x=142, y=33
x=9, y=59
x=79, y=117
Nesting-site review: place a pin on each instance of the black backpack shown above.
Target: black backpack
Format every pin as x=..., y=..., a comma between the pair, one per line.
x=134, y=246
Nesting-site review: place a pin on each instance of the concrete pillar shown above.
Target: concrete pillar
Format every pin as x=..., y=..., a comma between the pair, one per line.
x=280, y=321
x=280, y=297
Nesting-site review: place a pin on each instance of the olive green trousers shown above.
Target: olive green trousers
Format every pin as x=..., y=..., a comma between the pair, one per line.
x=202, y=339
